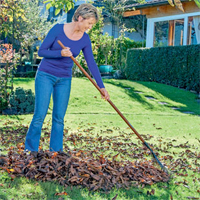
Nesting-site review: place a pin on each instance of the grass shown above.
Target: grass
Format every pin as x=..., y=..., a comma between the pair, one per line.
x=89, y=115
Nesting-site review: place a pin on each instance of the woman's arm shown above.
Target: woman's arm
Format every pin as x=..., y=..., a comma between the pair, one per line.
x=88, y=54
x=45, y=49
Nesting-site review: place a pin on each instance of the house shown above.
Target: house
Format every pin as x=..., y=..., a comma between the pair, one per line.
x=168, y=25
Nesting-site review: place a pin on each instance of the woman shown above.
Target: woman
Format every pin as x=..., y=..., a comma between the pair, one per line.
x=55, y=72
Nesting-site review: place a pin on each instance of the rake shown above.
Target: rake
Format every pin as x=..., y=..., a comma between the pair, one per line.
x=116, y=109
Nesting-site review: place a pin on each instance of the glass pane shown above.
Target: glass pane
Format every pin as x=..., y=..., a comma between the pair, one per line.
x=178, y=32
x=161, y=33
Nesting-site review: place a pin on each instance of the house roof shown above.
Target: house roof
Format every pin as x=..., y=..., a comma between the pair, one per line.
x=150, y=3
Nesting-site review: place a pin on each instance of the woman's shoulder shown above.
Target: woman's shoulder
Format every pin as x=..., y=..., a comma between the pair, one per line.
x=86, y=37
x=58, y=25
x=56, y=29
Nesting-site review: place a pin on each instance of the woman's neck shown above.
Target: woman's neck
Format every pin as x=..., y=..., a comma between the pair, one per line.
x=73, y=31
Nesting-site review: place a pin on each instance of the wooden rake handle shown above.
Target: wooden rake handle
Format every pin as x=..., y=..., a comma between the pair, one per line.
x=98, y=88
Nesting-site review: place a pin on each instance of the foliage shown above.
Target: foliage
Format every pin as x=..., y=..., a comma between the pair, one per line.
x=181, y=70
x=197, y=3
x=6, y=78
x=33, y=29
x=113, y=51
x=176, y=3
x=30, y=74
x=65, y=5
x=22, y=101
x=180, y=5
x=105, y=46
x=26, y=25
x=121, y=46
x=11, y=10
x=3, y=104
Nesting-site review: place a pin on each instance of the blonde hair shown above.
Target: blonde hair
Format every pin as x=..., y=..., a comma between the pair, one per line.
x=86, y=11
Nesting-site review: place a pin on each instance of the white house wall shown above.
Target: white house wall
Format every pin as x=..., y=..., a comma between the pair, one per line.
x=133, y=36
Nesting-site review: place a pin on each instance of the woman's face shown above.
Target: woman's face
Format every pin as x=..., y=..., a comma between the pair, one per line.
x=86, y=24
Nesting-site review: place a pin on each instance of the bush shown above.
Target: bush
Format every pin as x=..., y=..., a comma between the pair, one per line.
x=22, y=101
x=177, y=66
x=116, y=53
x=3, y=104
x=30, y=74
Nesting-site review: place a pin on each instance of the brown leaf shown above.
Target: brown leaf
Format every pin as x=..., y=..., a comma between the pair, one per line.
x=115, y=197
x=72, y=170
x=96, y=177
x=62, y=193
x=68, y=161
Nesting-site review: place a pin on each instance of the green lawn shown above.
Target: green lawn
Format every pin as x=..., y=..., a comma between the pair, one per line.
x=153, y=109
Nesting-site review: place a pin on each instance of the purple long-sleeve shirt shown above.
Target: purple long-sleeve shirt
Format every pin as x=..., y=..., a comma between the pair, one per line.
x=53, y=62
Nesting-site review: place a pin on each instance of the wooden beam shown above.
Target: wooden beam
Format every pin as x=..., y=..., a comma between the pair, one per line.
x=132, y=13
x=171, y=33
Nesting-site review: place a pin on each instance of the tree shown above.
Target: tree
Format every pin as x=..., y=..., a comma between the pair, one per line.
x=10, y=11
x=32, y=28
x=25, y=25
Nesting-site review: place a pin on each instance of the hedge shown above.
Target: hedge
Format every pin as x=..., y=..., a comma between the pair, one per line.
x=178, y=66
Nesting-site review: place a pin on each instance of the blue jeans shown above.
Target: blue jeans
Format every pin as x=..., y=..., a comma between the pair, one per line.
x=45, y=85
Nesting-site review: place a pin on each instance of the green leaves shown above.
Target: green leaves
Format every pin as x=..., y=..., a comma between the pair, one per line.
x=48, y=6
x=180, y=5
x=65, y=5
x=22, y=101
x=177, y=3
x=197, y=3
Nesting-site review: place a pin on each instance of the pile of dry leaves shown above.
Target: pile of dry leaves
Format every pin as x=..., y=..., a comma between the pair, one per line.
x=80, y=168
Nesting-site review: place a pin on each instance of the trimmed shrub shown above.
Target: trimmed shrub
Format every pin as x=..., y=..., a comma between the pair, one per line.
x=178, y=66
x=22, y=101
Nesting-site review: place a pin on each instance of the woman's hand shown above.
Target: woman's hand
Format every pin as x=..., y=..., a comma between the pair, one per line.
x=105, y=95
x=66, y=52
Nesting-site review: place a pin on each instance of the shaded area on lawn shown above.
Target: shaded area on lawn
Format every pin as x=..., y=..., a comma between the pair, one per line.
x=187, y=101
x=130, y=91
x=18, y=81
x=176, y=94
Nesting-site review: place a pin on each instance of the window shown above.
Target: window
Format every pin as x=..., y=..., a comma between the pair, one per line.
x=193, y=30
x=173, y=30
x=169, y=33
